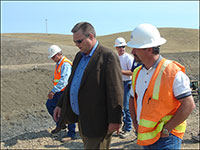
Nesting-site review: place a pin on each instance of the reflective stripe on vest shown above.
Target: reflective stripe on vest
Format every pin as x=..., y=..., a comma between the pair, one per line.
x=149, y=130
x=56, y=80
x=156, y=88
x=151, y=124
x=66, y=60
x=134, y=76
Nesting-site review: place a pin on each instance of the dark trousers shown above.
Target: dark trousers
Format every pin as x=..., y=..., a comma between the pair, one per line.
x=95, y=143
x=51, y=105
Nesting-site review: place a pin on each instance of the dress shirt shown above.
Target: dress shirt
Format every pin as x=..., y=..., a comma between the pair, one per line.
x=76, y=81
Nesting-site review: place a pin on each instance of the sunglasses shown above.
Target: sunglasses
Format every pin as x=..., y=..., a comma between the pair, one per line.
x=79, y=41
x=121, y=46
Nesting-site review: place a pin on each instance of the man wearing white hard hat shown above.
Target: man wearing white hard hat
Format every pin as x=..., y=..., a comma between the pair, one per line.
x=162, y=96
x=126, y=61
x=61, y=74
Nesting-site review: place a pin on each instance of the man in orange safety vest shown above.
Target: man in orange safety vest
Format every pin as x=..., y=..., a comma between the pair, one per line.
x=161, y=98
x=61, y=74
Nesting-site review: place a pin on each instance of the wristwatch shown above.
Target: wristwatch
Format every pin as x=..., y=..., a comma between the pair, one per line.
x=165, y=131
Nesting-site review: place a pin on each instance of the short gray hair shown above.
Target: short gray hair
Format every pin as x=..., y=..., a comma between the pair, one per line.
x=86, y=28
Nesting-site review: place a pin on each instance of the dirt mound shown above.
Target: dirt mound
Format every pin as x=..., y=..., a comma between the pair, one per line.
x=26, y=75
x=16, y=51
x=188, y=59
x=23, y=97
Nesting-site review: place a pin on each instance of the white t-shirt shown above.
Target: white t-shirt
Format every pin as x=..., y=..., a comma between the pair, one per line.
x=181, y=85
x=126, y=61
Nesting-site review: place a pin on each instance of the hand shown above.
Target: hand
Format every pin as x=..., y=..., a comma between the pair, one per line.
x=165, y=132
x=163, y=135
x=114, y=127
x=136, y=127
x=56, y=113
x=50, y=95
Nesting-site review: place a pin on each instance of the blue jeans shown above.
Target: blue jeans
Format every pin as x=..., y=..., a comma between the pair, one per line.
x=170, y=142
x=51, y=105
x=126, y=113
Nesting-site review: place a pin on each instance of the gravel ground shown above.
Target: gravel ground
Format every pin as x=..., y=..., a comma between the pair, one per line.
x=34, y=133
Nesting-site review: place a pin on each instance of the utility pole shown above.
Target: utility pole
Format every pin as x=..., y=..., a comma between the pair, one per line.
x=46, y=26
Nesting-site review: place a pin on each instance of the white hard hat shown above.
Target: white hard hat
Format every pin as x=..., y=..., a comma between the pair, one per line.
x=120, y=42
x=145, y=36
x=53, y=50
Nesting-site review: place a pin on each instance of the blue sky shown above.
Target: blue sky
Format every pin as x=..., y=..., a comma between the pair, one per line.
x=107, y=17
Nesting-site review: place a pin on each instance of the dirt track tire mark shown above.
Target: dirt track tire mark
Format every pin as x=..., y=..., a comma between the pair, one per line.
x=25, y=66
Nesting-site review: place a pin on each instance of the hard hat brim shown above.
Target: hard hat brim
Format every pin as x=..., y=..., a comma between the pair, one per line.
x=120, y=45
x=53, y=50
x=159, y=42
x=50, y=56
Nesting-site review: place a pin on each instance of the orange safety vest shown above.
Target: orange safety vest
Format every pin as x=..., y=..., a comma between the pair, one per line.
x=57, y=72
x=159, y=104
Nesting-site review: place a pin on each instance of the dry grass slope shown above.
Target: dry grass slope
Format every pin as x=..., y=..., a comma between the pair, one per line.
x=178, y=39
x=59, y=39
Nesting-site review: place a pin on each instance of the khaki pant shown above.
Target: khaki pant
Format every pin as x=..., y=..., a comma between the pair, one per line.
x=95, y=143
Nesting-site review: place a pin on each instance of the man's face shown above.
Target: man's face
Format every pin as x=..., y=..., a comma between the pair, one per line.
x=138, y=54
x=82, y=42
x=120, y=50
x=56, y=58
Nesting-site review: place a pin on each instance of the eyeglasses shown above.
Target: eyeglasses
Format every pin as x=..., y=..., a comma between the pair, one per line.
x=121, y=47
x=79, y=41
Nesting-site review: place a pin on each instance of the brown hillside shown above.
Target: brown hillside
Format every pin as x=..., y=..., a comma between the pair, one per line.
x=178, y=39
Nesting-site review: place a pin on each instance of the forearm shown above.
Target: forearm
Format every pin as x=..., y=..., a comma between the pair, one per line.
x=127, y=72
x=185, y=109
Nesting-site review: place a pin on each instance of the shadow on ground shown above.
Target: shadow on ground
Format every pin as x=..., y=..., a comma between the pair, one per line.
x=44, y=134
x=27, y=136
x=128, y=144
x=189, y=141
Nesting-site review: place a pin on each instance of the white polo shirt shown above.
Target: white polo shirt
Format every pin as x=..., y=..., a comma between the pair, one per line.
x=126, y=61
x=181, y=85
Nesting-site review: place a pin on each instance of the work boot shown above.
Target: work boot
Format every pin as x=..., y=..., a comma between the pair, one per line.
x=125, y=134
x=68, y=137
x=115, y=134
x=57, y=129
x=123, y=128
x=196, y=138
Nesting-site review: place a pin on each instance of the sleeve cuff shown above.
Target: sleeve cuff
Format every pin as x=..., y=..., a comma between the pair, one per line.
x=184, y=95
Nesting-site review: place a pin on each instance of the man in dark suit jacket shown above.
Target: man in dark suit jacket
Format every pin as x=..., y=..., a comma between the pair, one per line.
x=94, y=94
